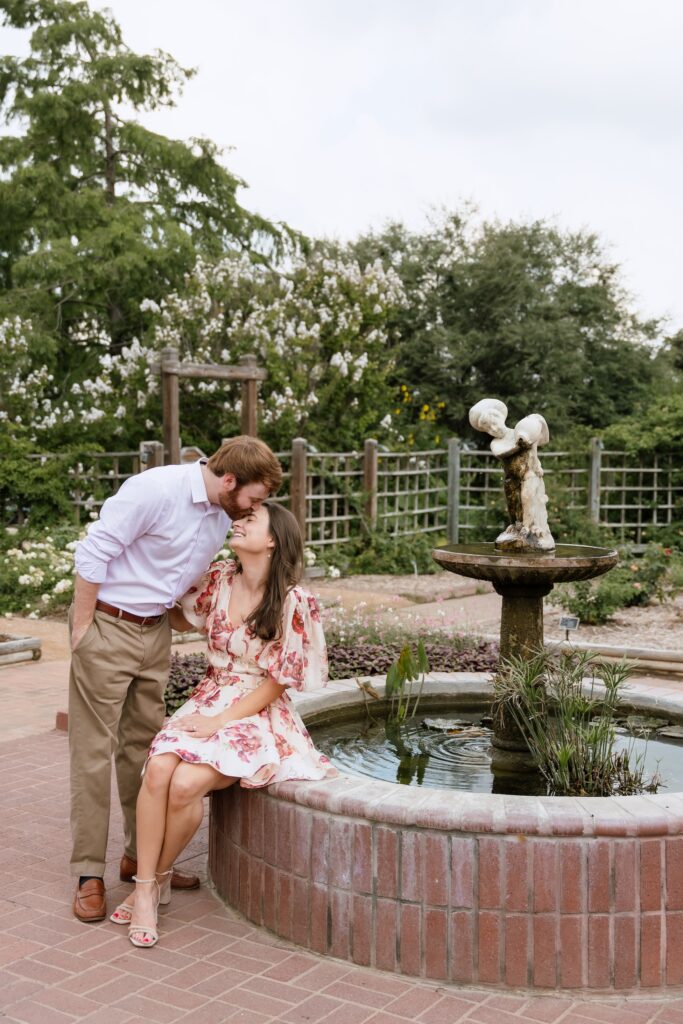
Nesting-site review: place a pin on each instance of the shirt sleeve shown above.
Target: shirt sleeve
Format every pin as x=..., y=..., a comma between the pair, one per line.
x=127, y=515
x=199, y=599
x=299, y=657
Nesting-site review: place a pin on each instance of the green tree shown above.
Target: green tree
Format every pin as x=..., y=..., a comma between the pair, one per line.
x=523, y=312
x=99, y=212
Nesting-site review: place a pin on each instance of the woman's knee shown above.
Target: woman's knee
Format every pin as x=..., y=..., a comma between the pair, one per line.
x=187, y=785
x=159, y=772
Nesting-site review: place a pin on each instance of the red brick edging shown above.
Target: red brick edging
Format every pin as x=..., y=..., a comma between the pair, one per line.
x=510, y=891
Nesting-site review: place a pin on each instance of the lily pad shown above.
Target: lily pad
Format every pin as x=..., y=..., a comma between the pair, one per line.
x=674, y=731
x=444, y=724
x=643, y=723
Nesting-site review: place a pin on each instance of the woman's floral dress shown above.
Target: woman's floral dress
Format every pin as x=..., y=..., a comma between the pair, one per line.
x=273, y=745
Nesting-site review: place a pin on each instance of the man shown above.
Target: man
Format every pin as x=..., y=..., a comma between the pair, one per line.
x=151, y=542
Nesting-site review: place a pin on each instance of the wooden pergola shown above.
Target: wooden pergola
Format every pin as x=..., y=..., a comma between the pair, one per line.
x=171, y=369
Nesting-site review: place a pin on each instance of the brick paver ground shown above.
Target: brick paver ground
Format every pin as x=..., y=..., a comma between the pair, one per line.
x=210, y=965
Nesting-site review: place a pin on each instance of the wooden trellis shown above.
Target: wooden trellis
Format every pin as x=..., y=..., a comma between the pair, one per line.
x=456, y=491
x=249, y=373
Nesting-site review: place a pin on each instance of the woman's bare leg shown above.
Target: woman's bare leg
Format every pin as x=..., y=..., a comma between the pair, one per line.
x=151, y=825
x=189, y=784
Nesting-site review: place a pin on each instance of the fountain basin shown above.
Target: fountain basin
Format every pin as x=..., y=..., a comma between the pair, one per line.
x=509, y=891
x=568, y=562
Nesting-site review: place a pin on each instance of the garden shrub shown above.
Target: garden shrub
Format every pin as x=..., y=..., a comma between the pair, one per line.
x=36, y=569
x=34, y=487
x=354, y=658
x=656, y=574
x=379, y=552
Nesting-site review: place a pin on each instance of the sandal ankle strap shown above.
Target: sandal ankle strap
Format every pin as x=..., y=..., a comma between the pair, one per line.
x=143, y=881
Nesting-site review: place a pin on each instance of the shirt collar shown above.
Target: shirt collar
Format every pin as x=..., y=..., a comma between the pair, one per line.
x=198, y=486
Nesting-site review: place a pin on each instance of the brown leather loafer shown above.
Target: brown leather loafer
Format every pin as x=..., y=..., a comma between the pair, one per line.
x=179, y=880
x=90, y=902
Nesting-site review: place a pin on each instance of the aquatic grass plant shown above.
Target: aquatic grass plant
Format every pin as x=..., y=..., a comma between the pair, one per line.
x=567, y=708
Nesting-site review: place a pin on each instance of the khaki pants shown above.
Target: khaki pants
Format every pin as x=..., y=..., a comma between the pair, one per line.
x=118, y=675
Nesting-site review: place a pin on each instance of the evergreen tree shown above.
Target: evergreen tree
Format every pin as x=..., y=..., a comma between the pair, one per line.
x=99, y=212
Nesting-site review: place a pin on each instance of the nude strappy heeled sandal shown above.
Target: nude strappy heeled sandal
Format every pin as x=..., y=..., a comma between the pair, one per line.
x=164, y=887
x=140, y=929
x=122, y=914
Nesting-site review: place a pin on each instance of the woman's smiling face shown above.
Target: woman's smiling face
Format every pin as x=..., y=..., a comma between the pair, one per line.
x=251, y=535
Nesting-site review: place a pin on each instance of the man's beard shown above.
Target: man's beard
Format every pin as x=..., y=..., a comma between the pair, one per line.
x=228, y=501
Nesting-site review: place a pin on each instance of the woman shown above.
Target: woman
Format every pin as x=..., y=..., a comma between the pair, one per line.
x=264, y=635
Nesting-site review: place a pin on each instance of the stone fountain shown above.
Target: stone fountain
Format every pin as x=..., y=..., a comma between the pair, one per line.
x=472, y=888
x=523, y=563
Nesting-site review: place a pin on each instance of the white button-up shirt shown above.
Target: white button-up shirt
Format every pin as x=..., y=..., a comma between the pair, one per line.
x=153, y=539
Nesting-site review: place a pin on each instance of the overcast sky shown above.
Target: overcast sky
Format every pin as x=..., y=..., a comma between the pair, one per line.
x=345, y=113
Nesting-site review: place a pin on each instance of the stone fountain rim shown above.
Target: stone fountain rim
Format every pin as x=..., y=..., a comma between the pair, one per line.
x=517, y=561
x=494, y=814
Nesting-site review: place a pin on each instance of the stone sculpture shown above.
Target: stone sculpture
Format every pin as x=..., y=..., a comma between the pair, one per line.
x=517, y=448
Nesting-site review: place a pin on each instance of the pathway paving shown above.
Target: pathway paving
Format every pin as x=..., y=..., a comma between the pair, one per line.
x=211, y=965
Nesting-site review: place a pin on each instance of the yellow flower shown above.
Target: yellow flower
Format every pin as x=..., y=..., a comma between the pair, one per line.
x=425, y=408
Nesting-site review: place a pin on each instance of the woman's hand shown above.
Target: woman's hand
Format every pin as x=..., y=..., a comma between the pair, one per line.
x=178, y=620
x=199, y=726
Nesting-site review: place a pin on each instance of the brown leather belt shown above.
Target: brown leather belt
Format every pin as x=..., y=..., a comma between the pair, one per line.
x=118, y=613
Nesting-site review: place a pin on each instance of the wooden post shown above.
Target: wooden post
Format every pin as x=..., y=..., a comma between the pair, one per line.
x=297, y=500
x=594, y=479
x=370, y=461
x=453, y=500
x=249, y=398
x=151, y=455
x=170, y=404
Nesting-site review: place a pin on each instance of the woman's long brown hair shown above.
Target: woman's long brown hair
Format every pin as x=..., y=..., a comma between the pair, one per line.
x=286, y=569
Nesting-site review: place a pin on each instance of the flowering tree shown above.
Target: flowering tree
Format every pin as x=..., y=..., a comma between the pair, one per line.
x=320, y=329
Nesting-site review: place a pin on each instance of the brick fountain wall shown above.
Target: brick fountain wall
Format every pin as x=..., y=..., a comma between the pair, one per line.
x=509, y=891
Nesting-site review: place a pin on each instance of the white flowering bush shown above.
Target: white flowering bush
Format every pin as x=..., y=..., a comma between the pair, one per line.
x=109, y=401
x=320, y=328
x=36, y=570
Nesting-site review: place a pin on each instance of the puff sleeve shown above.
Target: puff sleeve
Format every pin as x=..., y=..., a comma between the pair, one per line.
x=200, y=598
x=299, y=657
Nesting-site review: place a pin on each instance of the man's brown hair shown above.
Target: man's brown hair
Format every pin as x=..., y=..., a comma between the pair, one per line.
x=249, y=460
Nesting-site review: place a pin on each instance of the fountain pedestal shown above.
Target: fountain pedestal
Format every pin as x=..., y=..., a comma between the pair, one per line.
x=521, y=636
x=522, y=580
